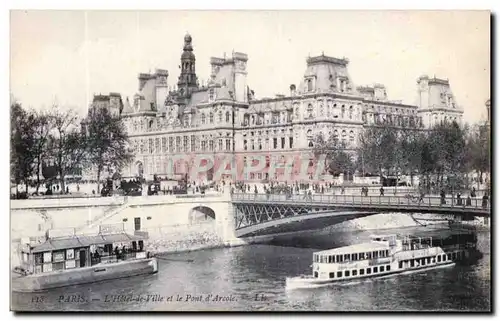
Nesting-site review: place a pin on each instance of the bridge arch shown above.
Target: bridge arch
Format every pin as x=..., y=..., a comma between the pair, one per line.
x=201, y=214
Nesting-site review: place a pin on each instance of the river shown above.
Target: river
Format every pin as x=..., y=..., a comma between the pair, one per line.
x=252, y=278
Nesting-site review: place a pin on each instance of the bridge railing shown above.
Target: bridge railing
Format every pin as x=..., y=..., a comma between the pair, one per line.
x=358, y=200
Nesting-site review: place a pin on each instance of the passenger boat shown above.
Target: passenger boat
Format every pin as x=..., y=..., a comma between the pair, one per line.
x=79, y=259
x=384, y=255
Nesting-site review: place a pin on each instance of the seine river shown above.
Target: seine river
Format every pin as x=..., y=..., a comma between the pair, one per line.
x=252, y=278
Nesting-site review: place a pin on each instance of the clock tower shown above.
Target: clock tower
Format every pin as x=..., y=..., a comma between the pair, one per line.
x=187, y=79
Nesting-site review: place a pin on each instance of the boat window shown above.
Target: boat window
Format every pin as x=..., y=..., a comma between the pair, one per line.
x=332, y=275
x=361, y=256
x=316, y=274
x=375, y=254
x=439, y=258
x=375, y=269
x=337, y=259
x=368, y=270
x=38, y=258
x=346, y=257
x=428, y=260
x=412, y=263
x=369, y=255
x=386, y=253
x=355, y=257
x=346, y=273
x=400, y=264
x=387, y=268
x=354, y=272
x=329, y=259
x=449, y=256
x=361, y=271
x=339, y=274
x=444, y=257
x=422, y=261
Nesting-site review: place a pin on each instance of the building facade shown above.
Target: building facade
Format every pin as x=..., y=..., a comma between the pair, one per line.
x=224, y=117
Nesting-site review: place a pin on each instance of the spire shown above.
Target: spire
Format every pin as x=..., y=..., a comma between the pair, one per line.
x=187, y=78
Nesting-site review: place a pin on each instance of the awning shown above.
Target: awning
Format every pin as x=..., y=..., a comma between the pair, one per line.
x=83, y=241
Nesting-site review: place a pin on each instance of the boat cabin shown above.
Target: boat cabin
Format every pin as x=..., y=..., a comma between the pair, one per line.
x=352, y=253
x=62, y=253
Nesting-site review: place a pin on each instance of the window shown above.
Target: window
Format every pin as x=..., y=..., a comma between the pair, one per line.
x=422, y=262
x=382, y=269
x=245, y=144
x=332, y=275
x=282, y=142
x=439, y=258
x=368, y=270
x=350, y=112
x=227, y=116
x=361, y=256
x=347, y=257
x=275, y=143
x=400, y=264
x=361, y=271
x=290, y=140
x=351, y=136
x=203, y=119
x=211, y=95
x=444, y=257
x=164, y=144
x=375, y=269
x=178, y=143
x=339, y=274
x=193, y=143
x=448, y=255
x=211, y=118
x=428, y=260
x=387, y=268
x=316, y=274
x=354, y=272
x=347, y=273
x=310, y=111
x=355, y=257
x=220, y=116
x=369, y=255
x=309, y=85
x=186, y=120
x=412, y=263
x=151, y=146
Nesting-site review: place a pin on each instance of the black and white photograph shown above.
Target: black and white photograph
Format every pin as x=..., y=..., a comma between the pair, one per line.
x=250, y=160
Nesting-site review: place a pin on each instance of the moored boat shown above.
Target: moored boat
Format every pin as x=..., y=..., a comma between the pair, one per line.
x=384, y=255
x=79, y=259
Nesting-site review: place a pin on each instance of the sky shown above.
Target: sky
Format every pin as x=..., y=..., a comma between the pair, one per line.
x=65, y=57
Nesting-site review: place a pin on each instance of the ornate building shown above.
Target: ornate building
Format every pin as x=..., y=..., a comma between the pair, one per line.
x=224, y=117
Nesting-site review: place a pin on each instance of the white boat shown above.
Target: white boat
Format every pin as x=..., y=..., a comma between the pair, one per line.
x=384, y=255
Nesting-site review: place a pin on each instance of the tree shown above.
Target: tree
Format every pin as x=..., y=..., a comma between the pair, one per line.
x=42, y=128
x=410, y=152
x=377, y=147
x=68, y=147
x=107, y=140
x=22, y=142
x=477, y=156
x=337, y=160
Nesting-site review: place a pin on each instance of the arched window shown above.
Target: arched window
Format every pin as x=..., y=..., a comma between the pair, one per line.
x=211, y=95
x=220, y=116
x=351, y=136
x=310, y=111
x=211, y=118
x=186, y=120
x=227, y=116
x=150, y=124
x=344, y=135
x=350, y=112
x=310, y=138
x=342, y=111
x=203, y=119
x=335, y=134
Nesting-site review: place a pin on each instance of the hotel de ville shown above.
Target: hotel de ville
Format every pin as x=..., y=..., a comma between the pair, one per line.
x=224, y=117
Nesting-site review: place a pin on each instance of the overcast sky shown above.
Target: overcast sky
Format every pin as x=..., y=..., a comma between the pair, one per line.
x=67, y=56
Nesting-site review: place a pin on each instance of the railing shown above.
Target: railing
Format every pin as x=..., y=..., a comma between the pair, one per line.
x=367, y=201
x=106, y=259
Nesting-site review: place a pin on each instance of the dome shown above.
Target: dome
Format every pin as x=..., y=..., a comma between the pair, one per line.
x=187, y=55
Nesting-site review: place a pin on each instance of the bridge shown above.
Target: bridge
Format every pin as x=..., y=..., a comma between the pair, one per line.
x=263, y=214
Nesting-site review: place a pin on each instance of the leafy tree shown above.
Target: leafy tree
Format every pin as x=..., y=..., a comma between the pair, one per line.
x=377, y=147
x=477, y=155
x=68, y=147
x=22, y=142
x=43, y=126
x=337, y=159
x=107, y=140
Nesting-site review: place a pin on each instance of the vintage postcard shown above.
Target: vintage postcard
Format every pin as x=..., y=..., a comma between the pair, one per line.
x=250, y=161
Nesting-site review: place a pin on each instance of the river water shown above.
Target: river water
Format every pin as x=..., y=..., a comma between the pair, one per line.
x=252, y=278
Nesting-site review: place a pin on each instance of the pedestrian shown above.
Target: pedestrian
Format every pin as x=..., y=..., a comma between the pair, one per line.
x=381, y=191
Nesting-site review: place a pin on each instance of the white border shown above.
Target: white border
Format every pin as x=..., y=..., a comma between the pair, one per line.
x=200, y=5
